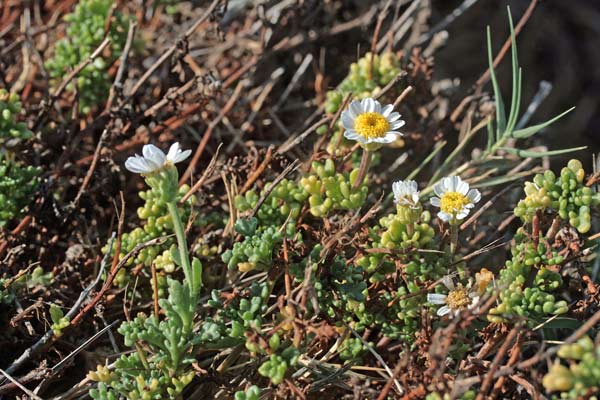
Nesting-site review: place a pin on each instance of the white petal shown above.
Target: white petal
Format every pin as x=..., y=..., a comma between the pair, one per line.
x=435, y=201
x=388, y=138
x=173, y=151
x=443, y=311
x=453, y=183
x=154, y=156
x=352, y=135
x=463, y=213
x=439, y=188
x=436, y=298
x=444, y=216
x=446, y=184
x=462, y=187
x=182, y=155
x=355, y=108
x=368, y=104
x=153, y=153
x=397, y=124
x=347, y=120
x=413, y=187
x=377, y=108
x=387, y=110
x=137, y=165
x=397, y=189
x=393, y=117
x=474, y=195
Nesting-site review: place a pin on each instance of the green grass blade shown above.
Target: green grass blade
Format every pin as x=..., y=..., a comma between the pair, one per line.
x=500, y=113
x=538, y=154
x=516, y=87
x=532, y=130
x=490, y=138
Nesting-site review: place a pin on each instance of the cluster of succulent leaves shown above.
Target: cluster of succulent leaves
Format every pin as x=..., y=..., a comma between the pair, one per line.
x=10, y=129
x=18, y=182
x=275, y=218
x=366, y=78
x=408, y=236
x=530, y=280
x=155, y=222
x=233, y=319
x=240, y=321
x=85, y=31
x=581, y=379
x=255, y=252
x=282, y=206
x=566, y=195
x=331, y=190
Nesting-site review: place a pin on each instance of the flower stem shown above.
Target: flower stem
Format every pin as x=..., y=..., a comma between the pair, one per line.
x=182, y=244
x=453, y=238
x=365, y=161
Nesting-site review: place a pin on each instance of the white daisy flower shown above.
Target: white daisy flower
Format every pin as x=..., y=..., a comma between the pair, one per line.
x=454, y=198
x=458, y=298
x=367, y=122
x=154, y=159
x=406, y=193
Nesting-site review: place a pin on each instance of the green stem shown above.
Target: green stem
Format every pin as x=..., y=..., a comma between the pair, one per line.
x=182, y=244
x=453, y=238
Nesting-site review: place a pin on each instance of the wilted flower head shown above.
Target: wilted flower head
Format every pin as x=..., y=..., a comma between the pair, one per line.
x=154, y=159
x=406, y=193
x=454, y=198
x=367, y=122
x=458, y=298
x=483, y=279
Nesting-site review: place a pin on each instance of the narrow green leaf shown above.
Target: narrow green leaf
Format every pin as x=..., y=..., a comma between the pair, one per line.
x=536, y=154
x=518, y=107
x=490, y=138
x=500, y=113
x=532, y=130
x=514, y=105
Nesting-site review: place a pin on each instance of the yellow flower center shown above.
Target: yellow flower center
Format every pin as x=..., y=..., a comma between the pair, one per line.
x=371, y=125
x=453, y=202
x=458, y=298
